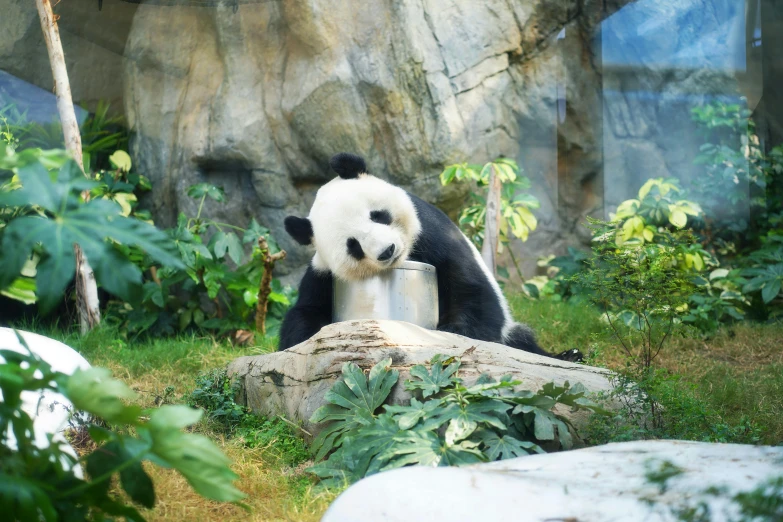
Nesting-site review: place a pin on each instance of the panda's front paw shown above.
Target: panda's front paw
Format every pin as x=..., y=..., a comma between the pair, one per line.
x=572, y=355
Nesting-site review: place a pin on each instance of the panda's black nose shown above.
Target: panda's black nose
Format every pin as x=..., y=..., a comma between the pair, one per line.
x=386, y=254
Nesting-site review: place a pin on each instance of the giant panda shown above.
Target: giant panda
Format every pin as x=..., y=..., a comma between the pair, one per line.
x=361, y=225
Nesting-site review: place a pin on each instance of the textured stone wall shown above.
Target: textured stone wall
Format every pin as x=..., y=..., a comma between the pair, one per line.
x=259, y=98
x=590, y=97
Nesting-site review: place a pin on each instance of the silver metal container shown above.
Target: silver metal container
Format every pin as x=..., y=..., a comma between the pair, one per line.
x=408, y=293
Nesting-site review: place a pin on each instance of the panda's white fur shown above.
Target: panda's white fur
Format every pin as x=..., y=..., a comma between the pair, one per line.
x=342, y=210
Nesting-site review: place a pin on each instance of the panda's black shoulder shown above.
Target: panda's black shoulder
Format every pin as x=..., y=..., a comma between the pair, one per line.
x=439, y=240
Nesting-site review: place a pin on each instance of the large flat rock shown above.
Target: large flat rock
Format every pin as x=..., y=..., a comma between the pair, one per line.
x=599, y=484
x=292, y=383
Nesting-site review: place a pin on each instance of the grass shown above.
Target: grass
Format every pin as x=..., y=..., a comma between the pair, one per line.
x=738, y=373
x=165, y=370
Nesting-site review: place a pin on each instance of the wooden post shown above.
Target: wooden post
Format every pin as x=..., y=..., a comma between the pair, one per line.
x=265, y=288
x=492, y=223
x=86, y=288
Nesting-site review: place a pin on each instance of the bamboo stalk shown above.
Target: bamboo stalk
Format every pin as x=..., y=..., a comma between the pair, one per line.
x=86, y=288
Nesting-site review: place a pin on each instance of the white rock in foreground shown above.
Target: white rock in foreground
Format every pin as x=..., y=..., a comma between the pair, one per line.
x=599, y=484
x=293, y=383
x=50, y=411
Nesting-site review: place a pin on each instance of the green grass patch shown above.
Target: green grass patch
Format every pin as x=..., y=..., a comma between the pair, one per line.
x=728, y=387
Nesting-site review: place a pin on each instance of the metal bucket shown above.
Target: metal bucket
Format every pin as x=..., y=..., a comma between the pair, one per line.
x=408, y=293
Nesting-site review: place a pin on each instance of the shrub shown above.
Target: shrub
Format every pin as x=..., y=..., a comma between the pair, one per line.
x=41, y=483
x=44, y=215
x=516, y=205
x=215, y=393
x=640, y=289
x=657, y=405
x=450, y=424
x=205, y=291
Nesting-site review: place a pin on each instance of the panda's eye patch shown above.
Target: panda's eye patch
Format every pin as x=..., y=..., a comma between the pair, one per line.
x=354, y=248
x=381, y=216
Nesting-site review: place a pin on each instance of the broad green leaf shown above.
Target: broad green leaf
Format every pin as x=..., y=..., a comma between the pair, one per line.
x=408, y=416
x=196, y=457
x=228, y=243
x=465, y=419
x=87, y=224
x=21, y=289
x=544, y=428
x=448, y=175
x=648, y=185
x=678, y=218
x=352, y=402
x=770, y=290
x=505, y=447
x=200, y=190
x=432, y=381
x=527, y=216
x=121, y=160
x=25, y=499
x=174, y=417
x=718, y=273
x=627, y=209
x=95, y=391
x=427, y=449
x=253, y=232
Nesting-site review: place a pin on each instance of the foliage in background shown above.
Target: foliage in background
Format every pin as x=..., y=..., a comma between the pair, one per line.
x=44, y=215
x=208, y=292
x=40, y=483
x=653, y=405
x=215, y=393
x=516, y=204
x=741, y=179
x=655, y=222
x=101, y=134
x=449, y=424
x=640, y=289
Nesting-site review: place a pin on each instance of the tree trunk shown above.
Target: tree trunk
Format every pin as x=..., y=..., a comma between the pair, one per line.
x=86, y=288
x=492, y=223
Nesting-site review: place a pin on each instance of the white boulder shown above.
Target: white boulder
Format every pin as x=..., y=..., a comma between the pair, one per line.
x=51, y=412
x=599, y=484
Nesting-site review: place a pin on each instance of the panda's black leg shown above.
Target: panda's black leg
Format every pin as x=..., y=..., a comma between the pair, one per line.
x=312, y=311
x=522, y=337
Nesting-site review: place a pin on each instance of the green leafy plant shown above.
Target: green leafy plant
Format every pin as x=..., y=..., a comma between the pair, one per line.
x=45, y=216
x=172, y=297
x=101, y=135
x=738, y=176
x=516, y=205
x=451, y=423
x=657, y=208
x=215, y=393
x=640, y=289
x=41, y=483
x=719, y=297
x=653, y=404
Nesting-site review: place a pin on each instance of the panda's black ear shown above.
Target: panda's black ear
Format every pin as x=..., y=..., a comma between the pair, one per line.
x=300, y=229
x=347, y=165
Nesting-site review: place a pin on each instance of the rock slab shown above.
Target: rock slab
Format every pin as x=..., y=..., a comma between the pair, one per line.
x=293, y=383
x=599, y=484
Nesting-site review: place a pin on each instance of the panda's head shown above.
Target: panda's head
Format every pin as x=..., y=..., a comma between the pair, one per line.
x=360, y=225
